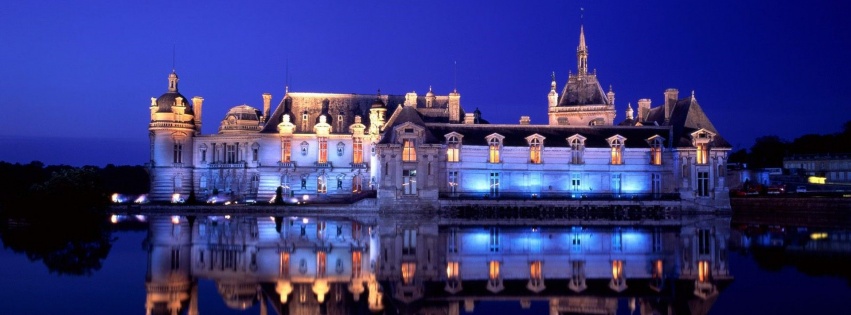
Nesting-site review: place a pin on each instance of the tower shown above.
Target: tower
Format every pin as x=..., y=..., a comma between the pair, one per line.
x=172, y=129
x=582, y=101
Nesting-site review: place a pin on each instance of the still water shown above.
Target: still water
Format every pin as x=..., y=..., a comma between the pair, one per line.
x=367, y=264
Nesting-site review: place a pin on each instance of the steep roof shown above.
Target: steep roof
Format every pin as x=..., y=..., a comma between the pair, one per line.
x=583, y=90
x=686, y=117
x=404, y=114
x=556, y=136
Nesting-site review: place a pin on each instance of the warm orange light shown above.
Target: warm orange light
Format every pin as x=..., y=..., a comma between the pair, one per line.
x=703, y=271
x=452, y=270
x=408, y=271
x=493, y=273
x=702, y=153
x=357, y=150
x=323, y=150
x=617, y=269
x=320, y=264
x=409, y=152
x=535, y=270
x=657, y=269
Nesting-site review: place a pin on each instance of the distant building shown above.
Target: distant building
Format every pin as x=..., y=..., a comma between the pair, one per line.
x=835, y=168
x=429, y=150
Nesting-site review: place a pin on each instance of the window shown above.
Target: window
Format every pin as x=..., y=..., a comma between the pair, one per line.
x=617, y=151
x=321, y=261
x=340, y=122
x=203, y=153
x=409, y=151
x=452, y=270
x=409, y=269
x=175, y=259
x=656, y=184
x=703, y=273
x=577, y=148
x=493, y=270
x=535, y=151
x=453, y=149
x=657, y=240
x=494, y=240
x=617, y=269
x=357, y=185
x=323, y=150
x=286, y=150
x=409, y=182
x=453, y=181
x=305, y=122
x=321, y=185
x=493, y=150
x=703, y=184
x=494, y=184
x=178, y=152
x=230, y=156
x=255, y=152
x=617, y=240
x=452, y=241
x=616, y=183
x=409, y=242
x=356, y=264
x=702, y=153
x=703, y=241
x=535, y=273
x=575, y=181
x=357, y=150
x=656, y=151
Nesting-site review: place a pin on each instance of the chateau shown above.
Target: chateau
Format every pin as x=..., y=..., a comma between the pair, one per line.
x=427, y=151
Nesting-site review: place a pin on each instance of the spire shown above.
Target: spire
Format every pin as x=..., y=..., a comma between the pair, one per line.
x=582, y=53
x=553, y=84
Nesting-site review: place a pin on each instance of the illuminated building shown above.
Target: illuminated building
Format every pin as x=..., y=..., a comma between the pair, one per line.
x=419, y=151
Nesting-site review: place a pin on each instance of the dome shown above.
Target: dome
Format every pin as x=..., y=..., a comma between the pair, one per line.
x=377, y=104
x=166, y=101
x=241, y=118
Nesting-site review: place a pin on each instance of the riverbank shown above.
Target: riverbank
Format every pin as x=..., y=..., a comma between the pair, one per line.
x=792, y=211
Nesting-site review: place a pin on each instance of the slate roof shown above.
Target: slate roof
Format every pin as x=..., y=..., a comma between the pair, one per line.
x=687, y=117
x=583, y=90
x=555, y=136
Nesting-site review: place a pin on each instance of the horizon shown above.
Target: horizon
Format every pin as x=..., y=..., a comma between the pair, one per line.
x=85, y=72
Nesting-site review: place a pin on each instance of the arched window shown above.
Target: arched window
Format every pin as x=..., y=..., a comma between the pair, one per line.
x=656, y=151
x=577, y=149
x=357, y=150
x=617, y=151
x=453, y=149
x=535, y=147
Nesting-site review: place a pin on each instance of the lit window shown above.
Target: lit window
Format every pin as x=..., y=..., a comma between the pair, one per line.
x=323, y=150
x=286, y=148
x=453, y=149
x=452, y=270
x=321, y=261
x=493, y=270
x=535, y=273
x=617, y=151
x=409, y=269
x=357, y=150
x=703, y=273
x=493, y=150
x=617, y=269
x=702, y=153
x=356, y=264
x=656, y=151
x=409, y=151
x=535, y=151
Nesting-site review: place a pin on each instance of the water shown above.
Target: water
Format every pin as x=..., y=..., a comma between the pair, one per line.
x=392, y=264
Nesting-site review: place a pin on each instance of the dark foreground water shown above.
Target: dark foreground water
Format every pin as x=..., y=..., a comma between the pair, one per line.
x=365, y=264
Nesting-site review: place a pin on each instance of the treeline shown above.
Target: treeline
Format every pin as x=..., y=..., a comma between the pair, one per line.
x=768, y=151
x=63, y=189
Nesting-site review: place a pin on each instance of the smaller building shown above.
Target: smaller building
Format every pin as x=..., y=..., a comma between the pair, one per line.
x=835, y=167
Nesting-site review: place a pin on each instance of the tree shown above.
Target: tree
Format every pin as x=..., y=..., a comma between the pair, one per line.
x=768, y=151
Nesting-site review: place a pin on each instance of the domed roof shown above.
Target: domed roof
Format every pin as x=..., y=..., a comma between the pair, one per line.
x=429, y=93
x=241, y=118
x=377, y=104
x=167, y=100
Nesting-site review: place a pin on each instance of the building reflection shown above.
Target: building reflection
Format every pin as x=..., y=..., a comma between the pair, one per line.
x=442, y=265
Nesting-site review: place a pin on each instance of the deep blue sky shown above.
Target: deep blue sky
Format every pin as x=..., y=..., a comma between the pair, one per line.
x=76, y=71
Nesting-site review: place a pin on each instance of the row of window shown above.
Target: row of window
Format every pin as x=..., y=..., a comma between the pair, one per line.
x=453, y=182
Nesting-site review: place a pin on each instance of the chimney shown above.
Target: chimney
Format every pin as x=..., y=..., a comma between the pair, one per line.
x=454, y=107
x=411, y=99
x=267, y=102
x=469, y=118
x=197, y=102
x=525, y=120
x=670, y=101
x=643, y=109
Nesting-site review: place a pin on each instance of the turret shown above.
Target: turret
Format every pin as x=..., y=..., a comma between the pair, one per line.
x=552, y=97
x=610, y=96
x=376, y=115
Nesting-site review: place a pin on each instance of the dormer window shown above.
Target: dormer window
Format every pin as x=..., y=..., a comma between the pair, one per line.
x=453, y=148
x=409, y=150
x=577, y=149
x=536, y=146
x=617, y=145
x=656, y=143
x=700, y=140
x=494, y=148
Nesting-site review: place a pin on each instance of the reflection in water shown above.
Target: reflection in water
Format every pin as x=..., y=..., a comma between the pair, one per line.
x=409, y=264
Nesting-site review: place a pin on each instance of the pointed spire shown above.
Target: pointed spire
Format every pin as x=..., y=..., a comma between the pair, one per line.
x=582, y=53
x=553, y=83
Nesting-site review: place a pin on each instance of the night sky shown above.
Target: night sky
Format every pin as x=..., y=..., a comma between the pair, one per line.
x=76, y=77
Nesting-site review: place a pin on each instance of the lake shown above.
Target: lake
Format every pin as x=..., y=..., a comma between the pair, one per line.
x=454, y=263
